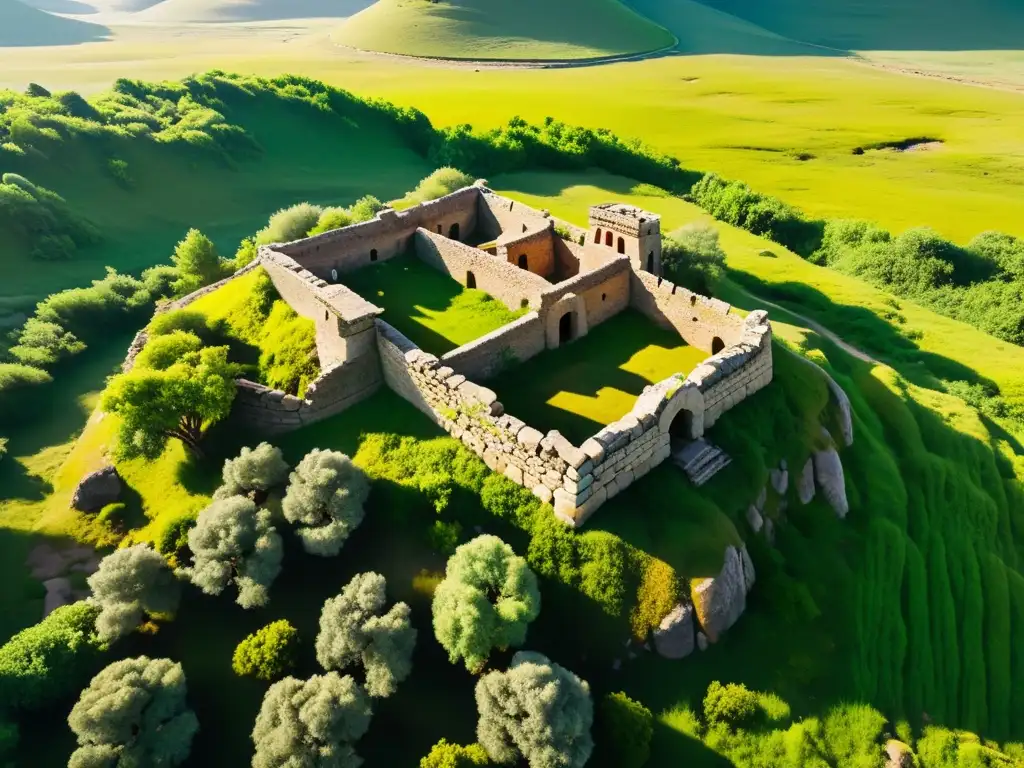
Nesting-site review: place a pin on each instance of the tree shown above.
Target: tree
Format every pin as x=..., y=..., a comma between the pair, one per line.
x=354, y=631
x=488, y=597
x=254, y=472
x=42, y=344
x=179, y=402
x=537, y=710
x=325, y=496
x=233, y=542
x=289, y=224
x=311, y=723
x=447, y=755
x=130, y=586
x=627, y=727
x=732, y=704
x=197, y=262
x=164, y=350
x=693, y=257
x=267, y=653
x=133, y=713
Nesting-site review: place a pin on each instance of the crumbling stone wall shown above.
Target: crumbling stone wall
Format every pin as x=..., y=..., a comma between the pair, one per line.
x=537, y=245
x=509, y=345
x=596, y=295
x=734, y=374
x=699, y=320
x=497, y=215
x=500, y=279
x=568, y=257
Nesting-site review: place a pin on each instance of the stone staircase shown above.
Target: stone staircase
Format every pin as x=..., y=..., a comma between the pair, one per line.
x=700, y=460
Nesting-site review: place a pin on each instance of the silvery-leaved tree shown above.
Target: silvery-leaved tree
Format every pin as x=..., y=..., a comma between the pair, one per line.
x=536, y=710
x=130, y=586
x=254, y=472
x=133, y=713
x=487, y=599
x=311, y=723
x=325, y=498
x=233, y=542
x=356, y=629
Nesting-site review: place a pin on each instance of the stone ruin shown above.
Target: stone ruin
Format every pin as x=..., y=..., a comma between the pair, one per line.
x=570, y=280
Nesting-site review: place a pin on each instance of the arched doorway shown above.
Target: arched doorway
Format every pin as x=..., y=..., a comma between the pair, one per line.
x=373, y=254
x=566, y=327
x=608, y=238
x=717, y=345
x=597, y=236
x=681, y=428
x=453, y=231
x=470, y=280
x=440, y=229
x=524, y=263
x=650, y=262
x=622, y=245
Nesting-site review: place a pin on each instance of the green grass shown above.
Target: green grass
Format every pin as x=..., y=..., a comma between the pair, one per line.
x=585, y=385
x=480, y=29
x=434, y=311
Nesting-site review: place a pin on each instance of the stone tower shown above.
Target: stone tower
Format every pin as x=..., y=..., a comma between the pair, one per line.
x=628, y=230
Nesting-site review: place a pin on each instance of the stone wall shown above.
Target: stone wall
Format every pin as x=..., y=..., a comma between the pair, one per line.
x=698, y=319
x=500, y=279
x=568, y=257
x=497, y=215
x=509, y=345
x=537, y=245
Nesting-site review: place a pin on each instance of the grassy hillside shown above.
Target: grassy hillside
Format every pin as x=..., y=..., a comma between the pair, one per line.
x=529, y=29
x=192, y=11
x=22, y=25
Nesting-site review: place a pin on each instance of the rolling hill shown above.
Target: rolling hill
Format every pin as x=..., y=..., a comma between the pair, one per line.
x=213, y=11
x=483, y=29
x=22, y=25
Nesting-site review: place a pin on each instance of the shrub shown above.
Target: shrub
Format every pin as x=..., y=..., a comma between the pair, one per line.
x=365, y=208
x=132, y=585
x=693, y=257
x=46, y=662
x=3, y=447
x=42, y=344
x=16, y=384
x=197, y=262
x=289, y=224
x=245, y=254
x=172, y=537
x=658, y=594
x=731, y=704
x=162, y=352
x=112, y=516
x=441, y=182
x=159, y=281
x=325, y=497
x=118, y=169
x=268, y=653
x=331, y=218
x=185, y=320
x=116, y=301
x=444, y=536
x=447, y=755
x=254, y=472
x=626, y=727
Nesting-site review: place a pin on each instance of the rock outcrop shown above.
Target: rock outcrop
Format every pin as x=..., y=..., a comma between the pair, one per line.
x=899, y=754
x=721, y=600
x=97, y=489
x=754, y=519
x=779, y=478
x=828, y=472
x=674, y=638
x=805, y=483
x=58, y=593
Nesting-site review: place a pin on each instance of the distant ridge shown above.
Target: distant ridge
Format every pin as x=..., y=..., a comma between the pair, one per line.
x=22, y=25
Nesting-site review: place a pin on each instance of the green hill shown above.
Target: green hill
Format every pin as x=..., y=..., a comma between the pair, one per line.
x=22, y=25
x=483, y=29
x=201, y=11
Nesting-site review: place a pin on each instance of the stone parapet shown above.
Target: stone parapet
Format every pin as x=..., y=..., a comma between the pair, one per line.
x=500, y=349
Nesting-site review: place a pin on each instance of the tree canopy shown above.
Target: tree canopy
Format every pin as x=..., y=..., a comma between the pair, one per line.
x=354, y=629
x=254, y=471
x=180, y=401
x=267, y=653
x=627, y=726
x=325, y=497
x=312, y=723
x=131, y=585
x=133, y=713
x=693, y=257
x=444, y=754
x=234, y=542
x=197, y=262
x=537, y=710
x=487, y=599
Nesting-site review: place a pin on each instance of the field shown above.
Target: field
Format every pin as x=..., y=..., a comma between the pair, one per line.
x=581, y=387
x=432, y=310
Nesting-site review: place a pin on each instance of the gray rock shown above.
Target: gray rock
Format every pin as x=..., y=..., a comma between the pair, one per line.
x=805, y=483
x=762, y=497
x=828, y=472
x=702, y=641
x=779, y=478
x=58, y=593
x=721, y=600
x=673, y=639
x=769, y=531
x=754, y=519
x=97, y=489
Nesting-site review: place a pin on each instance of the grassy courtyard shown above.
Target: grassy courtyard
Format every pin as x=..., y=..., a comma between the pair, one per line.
x=581, y=387
x=434, y=311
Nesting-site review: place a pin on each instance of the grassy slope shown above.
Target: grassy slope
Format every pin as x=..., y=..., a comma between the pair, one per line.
x=435, y=312
x=23, y=25
x=528, y=29
x=219, y=11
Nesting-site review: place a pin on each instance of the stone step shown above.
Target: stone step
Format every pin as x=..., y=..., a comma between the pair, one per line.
x=692, y=453
x=711, y=469
x=700, y=460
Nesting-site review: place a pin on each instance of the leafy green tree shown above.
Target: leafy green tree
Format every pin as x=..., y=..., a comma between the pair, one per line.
x=246, y=253
x=46, y=662
x=354, y=629
x=331, y=218
x=627, y=727
x=693, y=257
x=365, y=208
x=268, y=653
x=254, y=472
x=444, y=754
x=731, y=704
x=289, y=224
x=487, y=599
x=536, y=710
x=441, y=182
x=133, y=713
x=179, y=402
x=312, y=723
x=325, y=497
x=43, y=344
x=164, y=350
x=197, y=262
x=233, y=542
x=130, y=586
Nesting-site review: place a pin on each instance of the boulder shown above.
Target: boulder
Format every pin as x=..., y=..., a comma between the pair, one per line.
x=702, y=641
x=721, y=600
x=899, y=754
x=779, y=479
x=805, y=483
x=58, y=593
x=674, y=638
x=762, y=497
x=754, y=519
x=828, y=472
x=97, y=489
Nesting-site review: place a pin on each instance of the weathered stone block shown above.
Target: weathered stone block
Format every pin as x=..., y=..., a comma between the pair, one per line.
x=594, y=450
x=543, y=493
x=674, y=637
x=514, y=473
x=529, y=438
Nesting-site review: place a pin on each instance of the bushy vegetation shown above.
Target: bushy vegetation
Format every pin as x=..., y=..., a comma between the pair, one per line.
x=132, y=585
x=268, y=653
x=627, y=726
x=39, y=220
x=197, y=263
x=441, y=182
x=444, y=754
x=253, y=473
x=325, y=497
x=691, y=256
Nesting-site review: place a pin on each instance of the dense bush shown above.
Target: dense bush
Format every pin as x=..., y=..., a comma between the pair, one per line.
x=289, y=224
x=197, y=263
x=40, y=219
x=112, y=516
x=132, y=585
x=42, y=344
x=46, y=662
x=692, y=257
x=626, y=727
x=658, y=594
x=325, y=498
x=731, y=704
x=441, y=182
x=268, y=653
x=172, y=535
x=253, y=472
x=447, y=755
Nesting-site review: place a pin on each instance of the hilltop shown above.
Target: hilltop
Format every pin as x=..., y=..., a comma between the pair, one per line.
x=22, y=25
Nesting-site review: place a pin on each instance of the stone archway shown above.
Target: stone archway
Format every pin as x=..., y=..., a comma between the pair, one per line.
x=608, y=238
x=453, y=231
x=524, y=262
x=566, y=321
x=597, y=236
x=717, y=345
x=470, y=280
x=683, y=417
x=622, y=245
